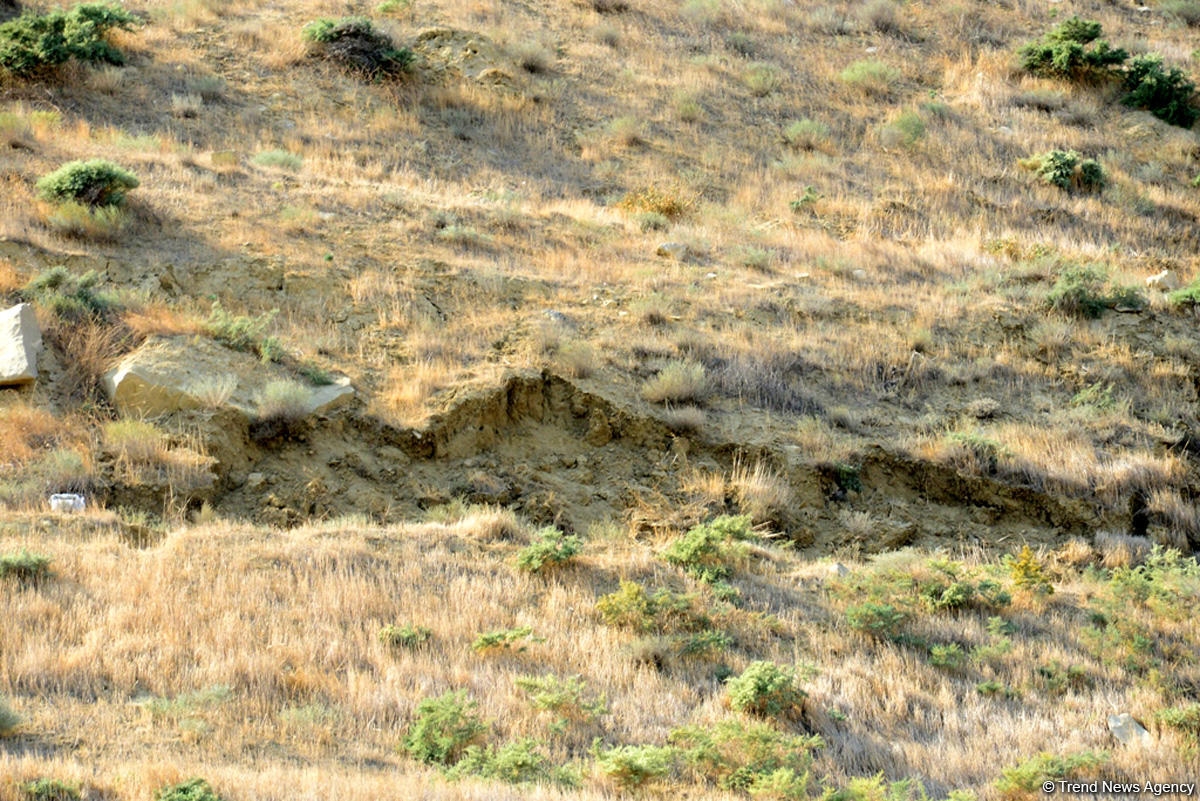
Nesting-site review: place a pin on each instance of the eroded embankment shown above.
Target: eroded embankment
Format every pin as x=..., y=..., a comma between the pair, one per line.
x=561, y=455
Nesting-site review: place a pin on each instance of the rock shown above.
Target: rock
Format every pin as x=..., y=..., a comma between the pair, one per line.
x=330, y=396
x=1128, y=731
x=859, y=275
x=20, y=344
x=255, y=481
x=672, y=250
x=1166, y=281
x=67, y=502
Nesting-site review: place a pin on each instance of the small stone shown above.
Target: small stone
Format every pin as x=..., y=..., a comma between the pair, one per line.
x=67, y=502
x=1128, y=731
x=672, y=250
x=1166, y=281
x=255, y=480
x=859, y=275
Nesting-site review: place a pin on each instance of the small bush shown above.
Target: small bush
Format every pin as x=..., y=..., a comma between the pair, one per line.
x=191, y=790
x=1028, y=777
x=633, y=766
x=1086, y=292
x=706, y=550
x=279, y=159
x=947, y=657
x=754, y=758
x=1185, y=719
x=904, y=131
x=1165, y=93
x=762, y=78
x=24, y=566
x=678, y=382
x=504, y=640
x=871, y=77
x=765, y=689
x=882, y=621
x=245, y=333
x=1027, y=572
x=515, y=763
x=566, y=697
x=550, y=548
x=51, y=790
x=632, y=607
x=443, y=728
x=35, y=42
x=406, y=636
x=1067, y=170
x=71, y=298
x=96, y=183
x=354, y=44
x=670, y=204
x=1188, y=296
x=806, y=134
x=1072, y=51
x=9, y=720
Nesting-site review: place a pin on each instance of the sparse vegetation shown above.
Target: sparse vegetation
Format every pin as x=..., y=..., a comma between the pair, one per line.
x=191, y=790
x=46, y=789
x=405, y=636
x=24, y=566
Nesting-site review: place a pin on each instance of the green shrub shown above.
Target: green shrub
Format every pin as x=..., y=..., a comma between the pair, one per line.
x=51, y=790
x=406, y=636
x=241, y=332
x=1072, y=51
x=882, y=621
x=947, y=657
x=705, y=551
x=191, y=790
x=354, y=44
x=35, y=42
x=279, y=159
x=633, y=766
x=1029, y=776
x=1067, y=170
x=504, y=640
x=1027, y=571
x=765, y=689
x=550, y=548
x=630, y=606
x=1188, y=296
x=1086, y=292
x=806, y=134
x=514, y=763
x=9, y=720
x=762, y=78
x=566, y=697
x=1165, y=93
x=25, y=566
x=93, y=183
x=71, y=298
x=904, y=131
x=755, y=757
x=443, y=728
x=1185, y=719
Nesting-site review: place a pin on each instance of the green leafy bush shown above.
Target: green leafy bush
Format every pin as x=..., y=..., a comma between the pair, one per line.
x=504, y=640
x=1072, y=51
x=242, y=332
x=550, y=548
x=406, y=636
x=93, y=183
x=1028, y=776
x=1067, y=170
x=566, y=697
x=191, y=790
x=515, y=763
x=765, y=689
x=71, y=298
x=882, y=621
x=631, y=606
x=443, y=728
x=35, y=42
x=1165, y=93
x=50, y=790
x=1185, y=719
x=353, y=43
x=24, y=566
x=706, y=550
x=1027, y=571
x=632, y=766
x=1086, y=292
x=1188, y=296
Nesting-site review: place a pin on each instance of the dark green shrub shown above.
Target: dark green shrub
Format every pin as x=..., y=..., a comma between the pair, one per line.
x=1067, y=170
x=34, y=42
x=50, y=790
x=632, y=766
x=765, y=689
x=1086, y=292
x=93, y=183
x=353, y=43
x=882, y=621
x=550, y=548
x=443, y=729
x=24, y=566
x=514, y=763
x=706, y=550
x=406, y=636
x=191, y=790
x=1072, y=51
x=1165, y=93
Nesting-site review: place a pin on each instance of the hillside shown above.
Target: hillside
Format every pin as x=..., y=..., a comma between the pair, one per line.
x=870, y=274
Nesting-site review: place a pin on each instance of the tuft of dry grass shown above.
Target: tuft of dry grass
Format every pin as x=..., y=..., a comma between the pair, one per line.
x=678, y=382
x=760, y=491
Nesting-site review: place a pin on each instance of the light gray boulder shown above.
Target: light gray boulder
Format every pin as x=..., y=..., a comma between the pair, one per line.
x=20, y=344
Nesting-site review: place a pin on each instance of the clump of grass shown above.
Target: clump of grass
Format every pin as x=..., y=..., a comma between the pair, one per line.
x=46, y=789
x=102, y=223
x=191, y=790
x=514, y=639
x=762, y=78
x=242, y=332
x=873, y=78
x=1028, y=777
x=678, y=382
x=671, y=204
x=283, y=401
x=760, y=493
x=904, y=131
x=806, y=134
x=405, y=636
x=71, y=298
x=24, y=566
x=279, y=159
